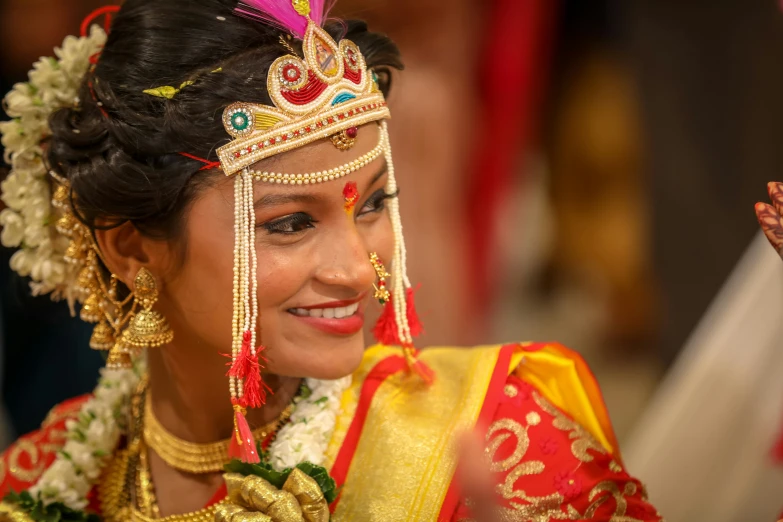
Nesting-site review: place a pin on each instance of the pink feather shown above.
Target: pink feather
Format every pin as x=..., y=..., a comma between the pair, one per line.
x=281, y=14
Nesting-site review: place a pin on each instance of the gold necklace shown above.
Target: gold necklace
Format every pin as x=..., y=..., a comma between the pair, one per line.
x=192, y=457
x=125, y=490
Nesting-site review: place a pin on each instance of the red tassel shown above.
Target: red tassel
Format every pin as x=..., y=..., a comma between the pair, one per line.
x=254, y=389
x=241, y=365
x=385, y=330
x=414, y=323
x=417, y=366
x=242, y=445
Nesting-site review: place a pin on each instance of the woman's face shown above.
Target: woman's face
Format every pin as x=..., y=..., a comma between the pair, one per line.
x=314, y=275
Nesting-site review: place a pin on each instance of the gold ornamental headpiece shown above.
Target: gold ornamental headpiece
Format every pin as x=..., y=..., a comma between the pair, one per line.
x=325, y=93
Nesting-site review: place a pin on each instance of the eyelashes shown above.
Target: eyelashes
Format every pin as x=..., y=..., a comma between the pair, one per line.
x=377, y=201
x=290, y=224
x=300, y=221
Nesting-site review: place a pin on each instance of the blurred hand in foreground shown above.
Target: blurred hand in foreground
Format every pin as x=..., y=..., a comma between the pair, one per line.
x=771, y=216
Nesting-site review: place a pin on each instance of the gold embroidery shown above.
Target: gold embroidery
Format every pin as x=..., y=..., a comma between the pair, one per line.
x=582, y=439
x=493, y=443
x=537, y=509
x=510, y=390
x=598, y=497
x=25, y=447
x=614, y=467
x=526, y=508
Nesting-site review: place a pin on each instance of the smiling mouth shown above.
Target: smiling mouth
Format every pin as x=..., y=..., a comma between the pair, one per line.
x=338, y=312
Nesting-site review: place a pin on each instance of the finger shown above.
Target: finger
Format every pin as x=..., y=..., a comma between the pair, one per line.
x=771, y=224
x=476, y=480
x=775, y=190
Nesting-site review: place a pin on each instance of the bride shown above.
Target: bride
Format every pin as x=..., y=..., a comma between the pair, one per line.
x=224, y=209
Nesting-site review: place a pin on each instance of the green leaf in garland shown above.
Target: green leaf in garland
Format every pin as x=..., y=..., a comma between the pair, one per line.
x=263, y=470
x=278, y=478
x=55, y=512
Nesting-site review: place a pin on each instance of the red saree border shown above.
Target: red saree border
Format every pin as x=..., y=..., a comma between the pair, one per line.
x=491, y=400
x=380, y=372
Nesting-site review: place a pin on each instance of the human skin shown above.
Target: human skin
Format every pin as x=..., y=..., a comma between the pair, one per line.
x=323, y=263
x=769, y=216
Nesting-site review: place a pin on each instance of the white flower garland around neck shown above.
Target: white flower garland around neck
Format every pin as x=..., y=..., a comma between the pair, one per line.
x=91, y=439
x=93, y=436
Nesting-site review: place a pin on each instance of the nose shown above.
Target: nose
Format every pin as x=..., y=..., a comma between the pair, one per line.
x=346, y=261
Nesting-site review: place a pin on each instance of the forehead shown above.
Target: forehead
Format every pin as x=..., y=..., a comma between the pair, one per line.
x=321, y=155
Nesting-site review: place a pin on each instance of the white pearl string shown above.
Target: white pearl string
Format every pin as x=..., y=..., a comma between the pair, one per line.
x=399, y=276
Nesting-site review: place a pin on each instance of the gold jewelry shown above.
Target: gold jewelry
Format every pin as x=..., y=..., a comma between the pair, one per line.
x=145, y=490
x=325, y=175
x=116, y=494
x=192, y=457
x=119, y=489
x=381, y=292
x=345, y=139
x=100, y=300
x=147, y=328
x=327, y=91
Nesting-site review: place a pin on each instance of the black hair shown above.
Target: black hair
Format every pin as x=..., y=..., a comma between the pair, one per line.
x=119, y=146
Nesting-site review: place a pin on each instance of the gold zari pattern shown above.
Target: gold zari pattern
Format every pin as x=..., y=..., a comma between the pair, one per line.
x=546, y=508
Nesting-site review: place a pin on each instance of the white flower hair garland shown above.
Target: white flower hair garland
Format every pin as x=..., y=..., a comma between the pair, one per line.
x=29, y=220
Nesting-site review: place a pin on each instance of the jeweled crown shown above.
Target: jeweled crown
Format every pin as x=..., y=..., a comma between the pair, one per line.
x=327, y=92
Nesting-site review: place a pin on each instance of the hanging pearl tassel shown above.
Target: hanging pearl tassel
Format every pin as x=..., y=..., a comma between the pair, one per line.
x=247, y=388
x=402, y=294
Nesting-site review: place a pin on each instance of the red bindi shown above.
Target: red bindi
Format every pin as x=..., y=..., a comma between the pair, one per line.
x=350, y=195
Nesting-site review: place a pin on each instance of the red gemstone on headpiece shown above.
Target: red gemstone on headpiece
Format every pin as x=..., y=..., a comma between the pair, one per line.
x=341, y=116
x=237, y=155
x=291, y=72
x=330, y=119
x=319, y=124
x=285, y=137
x=307, y=129
x=351, y=132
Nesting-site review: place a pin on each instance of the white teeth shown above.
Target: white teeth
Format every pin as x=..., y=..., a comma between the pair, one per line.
x=339, y=312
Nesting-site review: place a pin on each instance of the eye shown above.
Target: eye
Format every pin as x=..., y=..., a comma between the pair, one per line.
x=376, y=202
x=291, y=224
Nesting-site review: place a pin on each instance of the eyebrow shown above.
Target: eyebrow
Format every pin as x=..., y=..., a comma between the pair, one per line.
x=270, y=200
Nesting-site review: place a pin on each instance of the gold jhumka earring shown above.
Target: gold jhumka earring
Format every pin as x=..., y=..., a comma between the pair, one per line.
x=122, y=329
x=147, y=328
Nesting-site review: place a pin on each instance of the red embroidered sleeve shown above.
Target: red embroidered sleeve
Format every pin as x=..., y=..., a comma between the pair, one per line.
x=23, y=463
x=548, y=467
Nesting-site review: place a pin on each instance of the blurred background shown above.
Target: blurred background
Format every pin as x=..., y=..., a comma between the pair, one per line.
x=577, y=171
